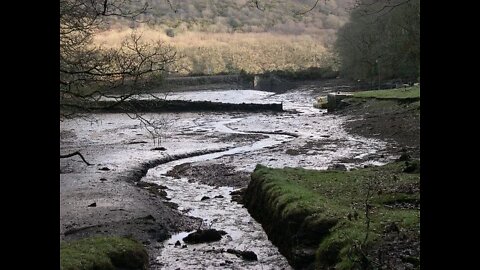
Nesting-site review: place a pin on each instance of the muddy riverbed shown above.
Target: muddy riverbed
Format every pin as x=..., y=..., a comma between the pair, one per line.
x=196, y=185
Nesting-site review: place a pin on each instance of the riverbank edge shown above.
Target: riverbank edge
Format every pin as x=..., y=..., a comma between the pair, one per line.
x=100, y=239
x=103, y=253
x=317, y=230
x=284, y=231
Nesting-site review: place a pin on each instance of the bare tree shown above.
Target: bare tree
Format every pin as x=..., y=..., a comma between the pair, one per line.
x=381, y=40
x=89, y=72
x=379, y=7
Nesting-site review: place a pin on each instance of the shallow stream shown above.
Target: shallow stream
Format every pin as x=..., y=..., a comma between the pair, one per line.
x=324, y=143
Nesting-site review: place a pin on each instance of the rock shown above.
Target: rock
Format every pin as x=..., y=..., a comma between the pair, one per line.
x=93, y=205
x=237, y=195
x=238, y=192
x=238, y=199
x=149, y=217
x=337, y=167
x=292, y=152
x=204, y=236
x=104, y=169
x=246, y=254
x=103, y=179
x=218, y=197
x=177, y=244
x=404, y=157
x=204, y=198
x=161, y=148
x=158, y=192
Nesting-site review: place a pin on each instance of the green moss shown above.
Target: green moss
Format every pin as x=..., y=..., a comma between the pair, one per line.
x=103, y=253
x=332, y=203
x=398, y=93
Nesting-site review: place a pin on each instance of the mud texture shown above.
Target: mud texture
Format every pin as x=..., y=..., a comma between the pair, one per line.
x=215, y=174
x=96, y=200
x=117, y=208
x=126, y=206
x=388, y=120
x=397, y=250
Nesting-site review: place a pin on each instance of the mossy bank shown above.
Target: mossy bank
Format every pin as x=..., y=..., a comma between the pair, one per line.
x=103, y=253
x=341, y=220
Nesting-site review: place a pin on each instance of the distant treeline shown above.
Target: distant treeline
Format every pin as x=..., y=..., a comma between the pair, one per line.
x=381, y=41
x=201, y=53
x=311, y=73
x=226, y=16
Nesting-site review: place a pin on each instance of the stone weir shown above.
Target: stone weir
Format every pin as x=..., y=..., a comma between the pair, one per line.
x=178, y=106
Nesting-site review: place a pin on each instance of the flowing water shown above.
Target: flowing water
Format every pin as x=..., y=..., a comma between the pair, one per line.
x=301, y=137
x=324, y=143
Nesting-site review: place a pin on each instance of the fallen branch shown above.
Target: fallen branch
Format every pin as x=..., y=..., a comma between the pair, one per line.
x=75, y=154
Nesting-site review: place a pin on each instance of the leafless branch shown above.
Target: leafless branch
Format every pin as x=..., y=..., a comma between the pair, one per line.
x=171, y=6
x=90, y=73
x=306, y=11
x=387, y=6
x=257, y=5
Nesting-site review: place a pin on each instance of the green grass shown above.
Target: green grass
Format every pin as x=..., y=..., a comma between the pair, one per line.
x=334, y=195
x=397, y=93
x=101, y=253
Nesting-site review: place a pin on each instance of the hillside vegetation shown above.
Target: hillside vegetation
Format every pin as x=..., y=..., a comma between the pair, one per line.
x=283, y=16
x=225, y=37
x=216, y=53
x=381, y=41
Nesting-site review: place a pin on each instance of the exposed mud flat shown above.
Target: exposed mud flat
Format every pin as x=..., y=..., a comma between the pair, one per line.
x=302, y=136
x=387, y=120
x=213, y=174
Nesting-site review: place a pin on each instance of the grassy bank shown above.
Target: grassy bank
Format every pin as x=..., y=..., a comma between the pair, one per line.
x=397, y=93
x=321, y=217
x=103, y=253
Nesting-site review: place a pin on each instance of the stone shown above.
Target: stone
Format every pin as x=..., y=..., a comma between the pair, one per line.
x=204, y=236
